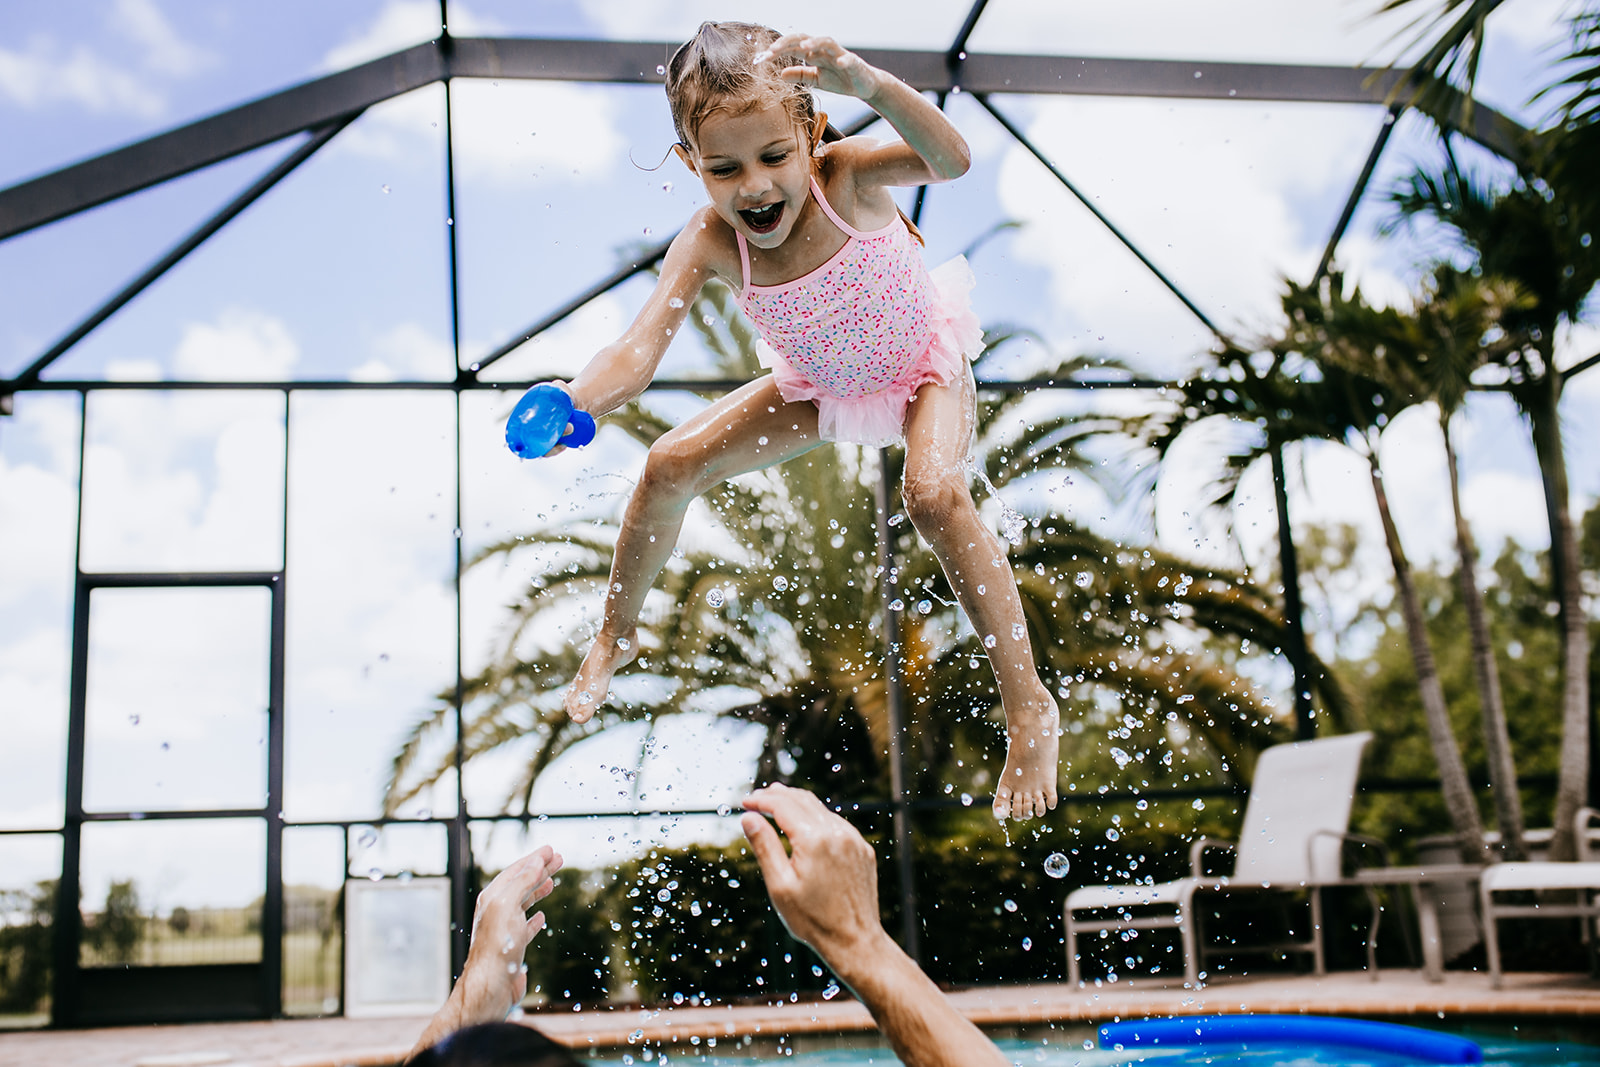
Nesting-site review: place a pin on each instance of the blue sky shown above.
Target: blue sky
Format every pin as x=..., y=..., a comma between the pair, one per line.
x=341, y=272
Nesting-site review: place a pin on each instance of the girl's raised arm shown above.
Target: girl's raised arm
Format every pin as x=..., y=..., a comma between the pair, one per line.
x=621, y=370
x=933, y=150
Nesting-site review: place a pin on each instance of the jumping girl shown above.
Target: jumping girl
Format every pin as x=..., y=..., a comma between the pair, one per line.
x=864, y=344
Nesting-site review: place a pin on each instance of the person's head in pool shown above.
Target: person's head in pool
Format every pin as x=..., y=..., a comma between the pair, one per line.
x=746, y=130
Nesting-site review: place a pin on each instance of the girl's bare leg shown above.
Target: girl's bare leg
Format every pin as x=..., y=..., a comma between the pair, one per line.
x=939, y=425
x=750, y=428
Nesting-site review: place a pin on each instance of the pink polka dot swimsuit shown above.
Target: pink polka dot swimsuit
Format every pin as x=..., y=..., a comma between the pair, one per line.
x=861, y=333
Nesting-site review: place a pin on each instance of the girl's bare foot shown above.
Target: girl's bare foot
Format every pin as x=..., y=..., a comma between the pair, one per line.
x=589, y=687
x=1027, y=786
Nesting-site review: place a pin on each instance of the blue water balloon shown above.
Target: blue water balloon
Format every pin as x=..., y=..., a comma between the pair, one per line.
x=541, y=419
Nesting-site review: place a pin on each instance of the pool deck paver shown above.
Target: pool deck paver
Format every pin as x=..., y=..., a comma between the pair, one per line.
x=1397, y=995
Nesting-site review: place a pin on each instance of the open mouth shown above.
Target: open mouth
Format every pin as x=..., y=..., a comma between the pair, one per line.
x=763, y=219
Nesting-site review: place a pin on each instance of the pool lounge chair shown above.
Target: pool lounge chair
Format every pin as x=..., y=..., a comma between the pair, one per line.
x=1577, y=883
x=1295, y=826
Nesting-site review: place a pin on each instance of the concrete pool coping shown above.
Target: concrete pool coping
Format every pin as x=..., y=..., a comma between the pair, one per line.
x=1398, y=995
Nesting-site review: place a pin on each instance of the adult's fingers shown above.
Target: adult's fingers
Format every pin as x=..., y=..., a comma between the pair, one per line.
x=764, y=842
x=796, y=811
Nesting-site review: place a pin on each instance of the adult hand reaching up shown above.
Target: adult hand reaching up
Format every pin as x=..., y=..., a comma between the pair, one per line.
x=826, y=891
x=493, y=981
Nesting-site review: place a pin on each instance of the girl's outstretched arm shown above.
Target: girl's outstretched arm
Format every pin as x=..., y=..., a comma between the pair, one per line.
x=933, y=150
x=621, y=370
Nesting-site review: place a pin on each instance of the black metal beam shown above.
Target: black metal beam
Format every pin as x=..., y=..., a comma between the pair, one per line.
x=1581, y=366
x=315, y=103
x=957, y=53
x=176, y=254
x=1390, y=119
x=1022, y=139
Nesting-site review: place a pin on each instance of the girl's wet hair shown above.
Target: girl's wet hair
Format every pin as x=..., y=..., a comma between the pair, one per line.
x=714, y=72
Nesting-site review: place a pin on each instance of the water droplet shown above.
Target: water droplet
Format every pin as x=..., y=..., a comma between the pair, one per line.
x=831, y=992
x=837, y=540
x=982, y=590
x=368, y=838
x=724, y=810
x=715, y=598
x=1142, y=805
x=1083, y=580
x=780, y=583
x=133, y=720
x=897, y=604
x=648, y=231
x=1056, y=865
x=1010, y=905
x=666, y=187
x=375, y=875
x=924, y=606
x=1112, y=835
x=989, y=641
x=966, y=800
x=511, y=968
x=661, y=68
x=1018, y=631
x=675, y=302
x=762, y=440
x=624, y=644
x=406, y=876
x=586, y=698
x=385, y=188
x=709, y=320
x=1027, y=944
x=664, y=895
x=1199, y=805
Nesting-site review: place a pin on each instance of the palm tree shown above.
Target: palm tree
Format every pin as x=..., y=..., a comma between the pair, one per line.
x=1431, y=354
x=1291, y=391
x=1532, y=238
x=795, y=626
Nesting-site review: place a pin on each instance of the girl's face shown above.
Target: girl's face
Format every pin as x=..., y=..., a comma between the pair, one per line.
x=756, y=167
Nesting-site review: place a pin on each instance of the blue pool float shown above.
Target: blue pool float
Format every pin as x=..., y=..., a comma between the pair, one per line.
x=540, y=420
x=1198, y=1030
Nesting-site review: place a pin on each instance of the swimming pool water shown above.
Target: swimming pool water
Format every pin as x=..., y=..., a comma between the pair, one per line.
x=1497, y=1052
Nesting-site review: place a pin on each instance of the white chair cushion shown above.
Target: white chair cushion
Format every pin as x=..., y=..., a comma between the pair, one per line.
x=1126, y=896
x=1504, y=877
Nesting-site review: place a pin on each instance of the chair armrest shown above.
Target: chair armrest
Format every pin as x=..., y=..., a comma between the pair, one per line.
x=1197, y=852
x=1346, y=838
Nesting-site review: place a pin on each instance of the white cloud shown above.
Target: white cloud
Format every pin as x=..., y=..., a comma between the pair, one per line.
x=1210, y=191
x=507, y=133
x=401, y=24
x=165, y=51
x=855, y=24
x=183, y=481
x=241, y=345
x=45, y=74
x=407, y=350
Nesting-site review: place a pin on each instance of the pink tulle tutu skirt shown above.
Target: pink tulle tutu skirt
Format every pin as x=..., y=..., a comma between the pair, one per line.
x=878, y=419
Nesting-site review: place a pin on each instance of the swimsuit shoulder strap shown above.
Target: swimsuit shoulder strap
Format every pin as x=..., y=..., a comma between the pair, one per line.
x=744, y=263
x=833, y=216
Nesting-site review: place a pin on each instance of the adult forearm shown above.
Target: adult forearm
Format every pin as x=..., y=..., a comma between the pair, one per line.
x=921, y=1024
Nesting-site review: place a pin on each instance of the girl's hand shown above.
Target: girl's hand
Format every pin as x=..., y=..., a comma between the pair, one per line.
x=827, y=65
